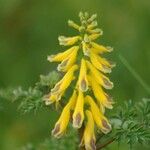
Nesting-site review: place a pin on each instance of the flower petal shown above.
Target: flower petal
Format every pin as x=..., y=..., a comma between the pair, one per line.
x=99, y=77
x=62, y=123
x=67, y=41
x=83, y=82
x=94, y=36
x=100, y=120
x=99, y=63
x=99, y=49
x=89, y=135
x=100, y=95
x=61, y=56
x=78, y=115
x=63, y=84
x=69, y=61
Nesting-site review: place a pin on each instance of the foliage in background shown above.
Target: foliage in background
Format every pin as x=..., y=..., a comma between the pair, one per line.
x=32, y=98
x=132, y=123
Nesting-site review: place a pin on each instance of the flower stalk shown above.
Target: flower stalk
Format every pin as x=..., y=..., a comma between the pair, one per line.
x=83, y=63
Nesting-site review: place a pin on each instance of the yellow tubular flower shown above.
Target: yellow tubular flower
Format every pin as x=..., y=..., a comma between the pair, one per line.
x=69, y=61
x=99, y=77
x=92, y=25
x=62, y=123
x=99, y=49
x=94, y=31
x=94, y=36
x=100, y=65
x=61, y=56
x=67, y=41
x=78, y=115
x=49, y=99
x=83, y=82
x=106, y=63
x=100, y=120
x=52, y=97
x=89, y=135
x=100, y=95
x=65, y=81
x=73, y=24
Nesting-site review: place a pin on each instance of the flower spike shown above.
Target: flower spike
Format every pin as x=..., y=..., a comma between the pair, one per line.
x=84, y=69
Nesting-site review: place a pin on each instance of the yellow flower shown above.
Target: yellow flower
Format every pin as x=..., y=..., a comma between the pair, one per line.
x=100, y=120
x=94, y=36
x=83, y=83
x=99, y=64
x=78, y=115
x=63, y=84
x=99, y=49
x=51, y=98
x=73, y=24
x=62, y=123
x=89, y=135
x=61, y=56
x=99, y=77
x=92, y=25
x=100, y=95
x=59, y=89
x=95, y=31
x=67, y=41
x=69, y=61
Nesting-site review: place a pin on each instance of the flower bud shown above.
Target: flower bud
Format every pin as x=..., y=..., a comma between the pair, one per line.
x=67, y=41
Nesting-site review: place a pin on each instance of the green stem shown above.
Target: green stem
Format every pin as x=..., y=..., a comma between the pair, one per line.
x=99, y=137
x=99, y=147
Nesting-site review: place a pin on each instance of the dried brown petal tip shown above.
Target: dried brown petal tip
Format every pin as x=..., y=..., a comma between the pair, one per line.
x=110, y=49
x=84, y=86
x=106, y=68
x=107, y=83
x=77, y=123
x=56, y=130
x=106, y=125
x=112, y=64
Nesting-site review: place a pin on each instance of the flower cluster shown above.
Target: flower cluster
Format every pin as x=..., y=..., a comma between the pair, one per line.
x=83, y=69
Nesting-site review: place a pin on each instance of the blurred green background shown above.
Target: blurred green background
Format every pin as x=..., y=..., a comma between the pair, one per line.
x=28, y=33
